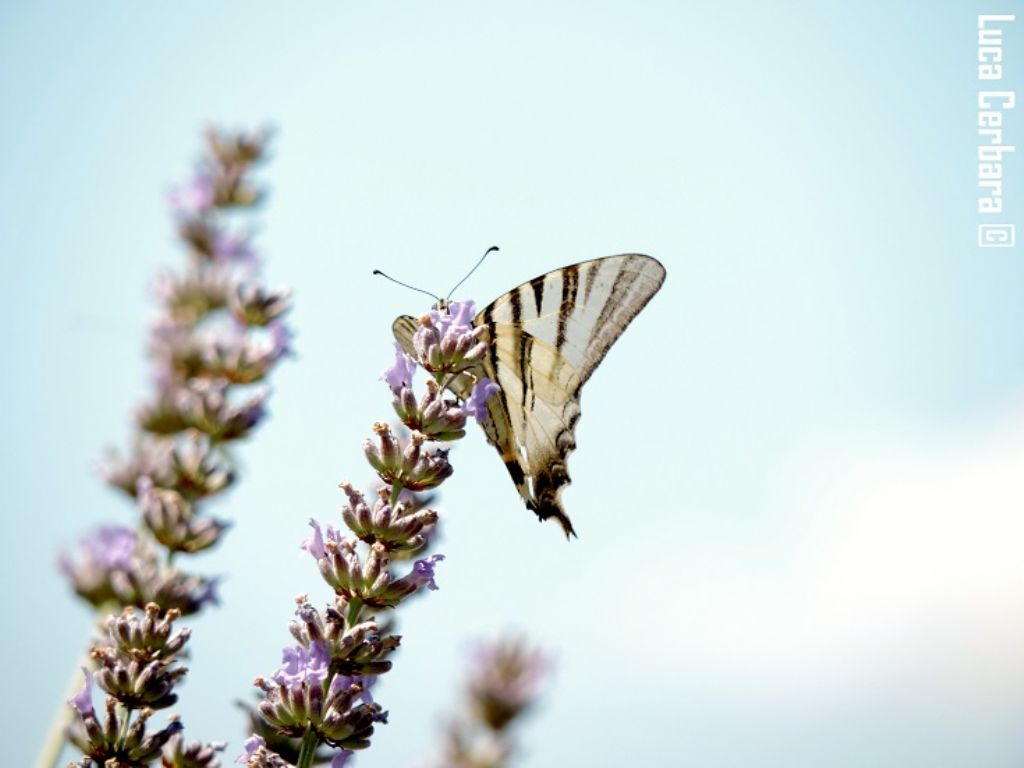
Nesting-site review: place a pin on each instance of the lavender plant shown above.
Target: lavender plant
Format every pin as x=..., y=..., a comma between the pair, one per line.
x=504, y=681
x=318, y=705
x=218, y=337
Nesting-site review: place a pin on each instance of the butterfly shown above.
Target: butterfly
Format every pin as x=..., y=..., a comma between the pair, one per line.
x=544, y=340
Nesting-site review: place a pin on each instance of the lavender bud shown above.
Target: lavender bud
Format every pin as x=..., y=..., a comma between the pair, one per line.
x=404, y=403
x=409, y=467
x=151, y=457
x=205, y=406
x=172, y=520
x=201, y=234
x=504, y=681
x=110, y=743
x=434, y=417
x=138, y=668
x=396, y=528
x=163, y=416
x=447, y=342
x=147, y=637
x=197, y=469
x=296, y=700
x=178, y=754
x=237, y=148
x=190, y=298
x=254, y=305
x=240, y=359
x=359, y=650
x=387, y=457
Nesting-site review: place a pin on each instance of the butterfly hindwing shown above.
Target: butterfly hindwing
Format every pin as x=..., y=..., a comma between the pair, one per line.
x=545, y=339
x=533, y=416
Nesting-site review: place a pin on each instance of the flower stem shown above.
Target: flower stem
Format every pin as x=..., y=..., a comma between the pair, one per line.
x=49, y=755
x=307, y=751
x=353, y=611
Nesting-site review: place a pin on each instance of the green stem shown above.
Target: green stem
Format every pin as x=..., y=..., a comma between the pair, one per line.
x=353, y=612
x=126, y=722
x=307, y=751
x=396, y=490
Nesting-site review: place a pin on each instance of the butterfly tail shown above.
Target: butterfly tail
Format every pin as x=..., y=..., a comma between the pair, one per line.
x=545, y=511
x=543, y=500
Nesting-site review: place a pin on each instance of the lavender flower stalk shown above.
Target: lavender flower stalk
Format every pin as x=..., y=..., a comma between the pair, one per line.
x=219, y=335
x=503, y=685
x=321, y=695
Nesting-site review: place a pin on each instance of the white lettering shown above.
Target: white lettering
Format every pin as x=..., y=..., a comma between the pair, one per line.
x=992, y=106
x=990, y=120
x=993, y=154
x=988, y=53
x=990, y=205
x=1008, y=98
x=984, y=18
x=990, y=71
x=990, y=170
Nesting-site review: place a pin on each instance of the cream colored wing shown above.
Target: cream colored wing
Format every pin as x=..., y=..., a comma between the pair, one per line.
x=547, y=336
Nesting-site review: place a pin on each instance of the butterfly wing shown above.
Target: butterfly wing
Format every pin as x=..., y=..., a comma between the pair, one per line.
x=545, y=339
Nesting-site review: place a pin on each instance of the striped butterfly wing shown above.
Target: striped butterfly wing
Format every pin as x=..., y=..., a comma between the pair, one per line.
x=548, y=336
x=545, y=339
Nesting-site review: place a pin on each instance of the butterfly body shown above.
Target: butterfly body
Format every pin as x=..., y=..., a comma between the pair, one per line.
x=545, y=338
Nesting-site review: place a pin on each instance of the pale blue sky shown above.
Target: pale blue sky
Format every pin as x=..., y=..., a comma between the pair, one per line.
x=805, y=172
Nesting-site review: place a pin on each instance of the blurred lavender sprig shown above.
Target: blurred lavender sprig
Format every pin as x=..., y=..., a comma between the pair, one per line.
x=219, y=334
x=504, y=682
x=321, y=695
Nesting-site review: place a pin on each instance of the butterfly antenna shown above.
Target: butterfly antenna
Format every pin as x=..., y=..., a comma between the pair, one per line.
x=406, y=285
x=453, y=290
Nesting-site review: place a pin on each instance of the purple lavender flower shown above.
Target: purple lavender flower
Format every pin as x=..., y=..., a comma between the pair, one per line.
x=315, y=543
x=110, y=547
x=345, y=641
x=196, y=197
x=259, y=755
x=280, y=339
x=219, y=327
x=302, y=665
x=233, y=248
x=457, y=321
x=476, y=405
x=251, y=747
x=447, y=342
x=82, y=701
x=423, y=571
x=504, y=682
x=400, y=373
